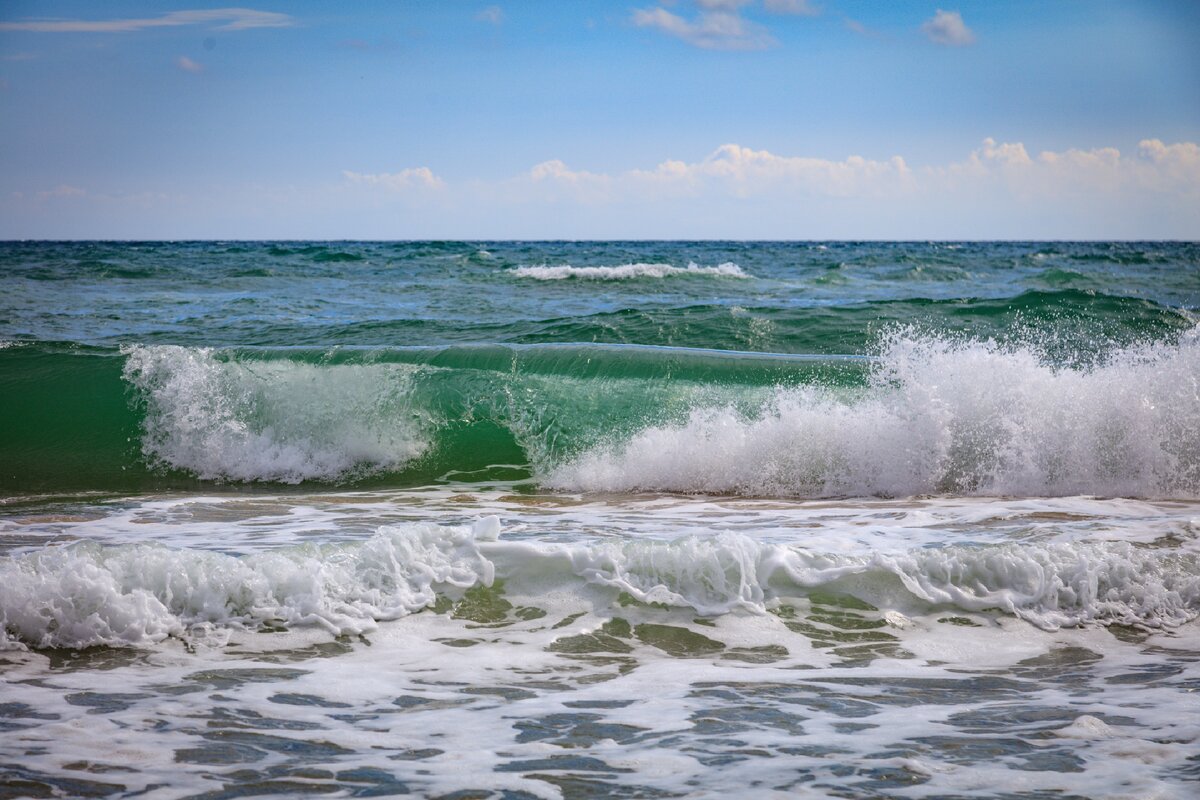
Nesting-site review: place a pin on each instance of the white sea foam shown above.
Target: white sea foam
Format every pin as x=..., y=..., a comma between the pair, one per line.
x=89, y=594
x=1049, y=585
x=627, y=272
x=939, y=416
x=944, y=690
x=272, y=420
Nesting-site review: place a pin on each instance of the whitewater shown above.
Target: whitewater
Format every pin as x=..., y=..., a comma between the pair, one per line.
x=892, y=520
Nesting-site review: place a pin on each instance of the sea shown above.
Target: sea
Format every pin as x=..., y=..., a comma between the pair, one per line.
x=600, y=519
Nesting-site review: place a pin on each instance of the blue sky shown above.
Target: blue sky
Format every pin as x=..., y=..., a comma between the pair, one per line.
x=684, y=119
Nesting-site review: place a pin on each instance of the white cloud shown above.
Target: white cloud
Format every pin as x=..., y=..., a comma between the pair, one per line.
x=556, y=170
x=1182, y=158
x=744, y=171
x=1004, y=154
x=491, y=14
x=187, y=65
x=405, y=178
x=998, y=189
x=1003, y=177
x=947, y=28
x=729, y=171
x=801, y=8
x=711, y=30
x=226, y=19
x=1077, y=178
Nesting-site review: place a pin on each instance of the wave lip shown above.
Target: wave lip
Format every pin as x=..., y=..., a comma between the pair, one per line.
x=628, y=272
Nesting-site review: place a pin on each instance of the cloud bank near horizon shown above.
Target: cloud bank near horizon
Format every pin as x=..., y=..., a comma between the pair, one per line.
x=743, y=172
x=998, y=190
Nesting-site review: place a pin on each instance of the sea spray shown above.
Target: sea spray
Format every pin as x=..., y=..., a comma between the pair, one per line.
x=272, y=421
x=938, y=416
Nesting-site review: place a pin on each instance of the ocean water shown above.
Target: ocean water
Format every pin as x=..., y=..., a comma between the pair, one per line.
x=603, y=519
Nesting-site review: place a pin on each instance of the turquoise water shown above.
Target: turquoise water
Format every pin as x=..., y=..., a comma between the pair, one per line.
x=599, y=519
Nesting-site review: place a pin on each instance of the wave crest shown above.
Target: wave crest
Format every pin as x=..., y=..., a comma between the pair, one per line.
x=273, y=420
x=628, y=272
x=937, y=416
x=87, y=594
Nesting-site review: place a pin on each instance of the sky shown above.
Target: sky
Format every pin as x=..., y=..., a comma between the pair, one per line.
x=649, y=119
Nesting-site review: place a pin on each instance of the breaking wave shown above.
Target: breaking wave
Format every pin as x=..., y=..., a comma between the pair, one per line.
x=628, y=272
x=87, y=594
x=926, y=414
x=937, y=416
x=272, y=421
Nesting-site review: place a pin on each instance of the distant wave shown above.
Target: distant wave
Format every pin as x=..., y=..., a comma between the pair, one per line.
x=86, y=594
x=628, y=272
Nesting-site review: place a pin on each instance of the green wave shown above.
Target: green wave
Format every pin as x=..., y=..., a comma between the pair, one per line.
x=546, y=392
x=81, y=418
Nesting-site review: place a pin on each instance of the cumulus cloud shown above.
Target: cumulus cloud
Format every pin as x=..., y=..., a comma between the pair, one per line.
x=1005, y=154
x=1086, y=176
x=997, y=189
x=947, y=28
x=187, y=65
x=556, y=170
x=745, y=171
x=226, y=19
x=1183, y=157
x=733, y=170
x=730, y=170
x=491, y=14
x=405, y=178
x=1000, y=188
x=711, y=30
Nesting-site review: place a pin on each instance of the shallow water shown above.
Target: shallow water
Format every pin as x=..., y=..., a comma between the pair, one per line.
x=603, y=646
